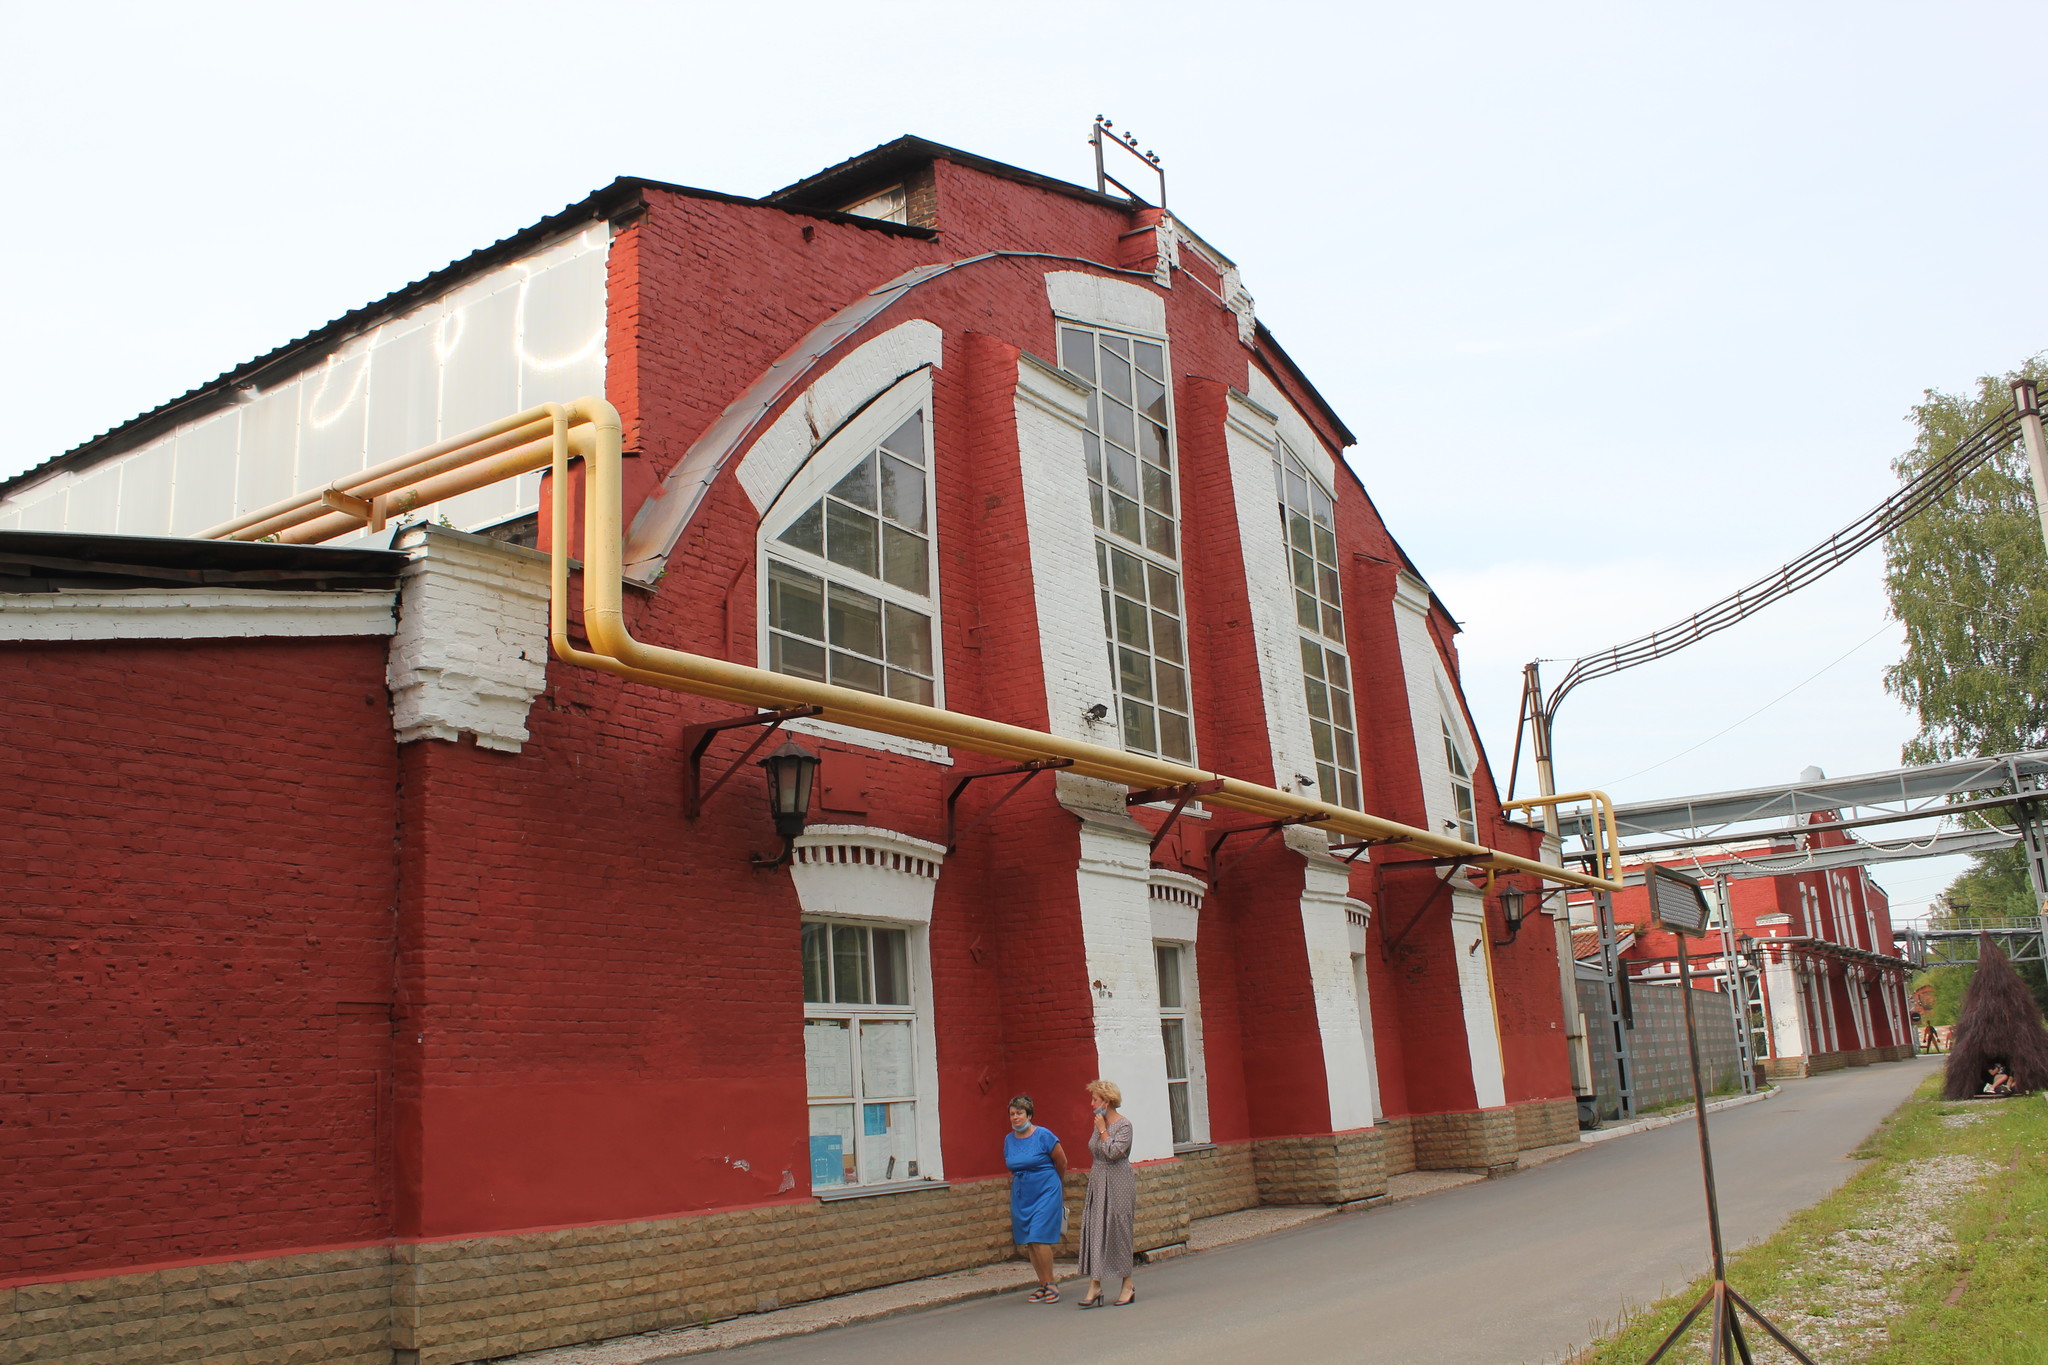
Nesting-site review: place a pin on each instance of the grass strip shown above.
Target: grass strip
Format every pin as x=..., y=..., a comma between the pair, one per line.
x=1936, y=1253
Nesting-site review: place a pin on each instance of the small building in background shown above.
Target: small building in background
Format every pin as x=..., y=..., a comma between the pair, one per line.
x=1826, y=986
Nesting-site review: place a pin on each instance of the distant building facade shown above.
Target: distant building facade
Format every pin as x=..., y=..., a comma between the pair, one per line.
x=1827, y=986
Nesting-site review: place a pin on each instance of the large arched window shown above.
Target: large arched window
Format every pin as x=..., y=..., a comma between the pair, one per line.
x=849, y=572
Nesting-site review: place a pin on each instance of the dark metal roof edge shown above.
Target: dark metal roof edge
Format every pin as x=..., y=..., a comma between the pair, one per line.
x=1270, y=344
x=182, y=551
x=295, y=355
x=910, y=150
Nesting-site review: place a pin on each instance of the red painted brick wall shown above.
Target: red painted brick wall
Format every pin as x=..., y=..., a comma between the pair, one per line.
x=195, y=837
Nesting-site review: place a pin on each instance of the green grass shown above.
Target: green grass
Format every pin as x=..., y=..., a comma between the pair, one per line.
x=1943, y=1210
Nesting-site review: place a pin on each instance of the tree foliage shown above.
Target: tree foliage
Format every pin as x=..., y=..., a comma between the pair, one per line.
x=1968, y=577
x=2000, y=1023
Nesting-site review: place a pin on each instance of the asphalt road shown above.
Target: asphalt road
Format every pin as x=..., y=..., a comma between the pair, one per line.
x=1504, y=1272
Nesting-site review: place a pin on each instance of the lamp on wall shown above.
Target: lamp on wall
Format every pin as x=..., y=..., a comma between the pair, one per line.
x=790, y=771
x=1514, y=908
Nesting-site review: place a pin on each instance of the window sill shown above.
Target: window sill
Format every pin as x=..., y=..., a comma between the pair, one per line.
x=1189, y=1148
x=833, y=1196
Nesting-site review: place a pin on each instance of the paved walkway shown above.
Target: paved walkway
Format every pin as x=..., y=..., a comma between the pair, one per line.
x=1505, y=1272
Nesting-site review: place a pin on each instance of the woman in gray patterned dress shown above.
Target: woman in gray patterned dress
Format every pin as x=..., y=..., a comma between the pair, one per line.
x=1109, y=1212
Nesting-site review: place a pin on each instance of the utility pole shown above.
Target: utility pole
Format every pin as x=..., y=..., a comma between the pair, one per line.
x=1603, y=918
x=2028, y=405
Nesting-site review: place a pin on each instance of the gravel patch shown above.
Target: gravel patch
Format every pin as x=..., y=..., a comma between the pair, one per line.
x=1838, y=1305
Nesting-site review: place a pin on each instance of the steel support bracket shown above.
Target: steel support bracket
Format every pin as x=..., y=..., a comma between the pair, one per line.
x=1265, y=832
x=1351, y=853
x=699, y=738
x=1180, y=796
x=1023, y=771
x=1450, y=866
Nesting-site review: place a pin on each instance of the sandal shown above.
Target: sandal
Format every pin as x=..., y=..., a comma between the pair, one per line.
x=1119, y=1303
x=1095, y=1302
x=1047, y=1294
x=1037, y=1295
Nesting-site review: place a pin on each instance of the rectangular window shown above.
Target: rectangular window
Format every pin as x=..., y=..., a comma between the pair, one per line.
x=860, y=1054
x=1128, y=450
x=1172, y=961
x=1308, y=524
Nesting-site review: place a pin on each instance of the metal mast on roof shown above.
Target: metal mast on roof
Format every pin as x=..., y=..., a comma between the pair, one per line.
x=1128, y=141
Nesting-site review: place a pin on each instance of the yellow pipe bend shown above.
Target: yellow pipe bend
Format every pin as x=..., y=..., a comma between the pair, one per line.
x=1608, y=827
x=613, y=649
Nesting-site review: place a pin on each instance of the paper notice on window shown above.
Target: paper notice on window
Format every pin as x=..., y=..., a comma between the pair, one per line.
x=885, y=1059
x=828, y=1058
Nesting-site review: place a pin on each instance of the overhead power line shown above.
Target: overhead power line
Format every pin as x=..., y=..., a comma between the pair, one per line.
x=1925, y=488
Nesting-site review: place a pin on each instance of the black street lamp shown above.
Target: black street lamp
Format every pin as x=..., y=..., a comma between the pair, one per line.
x=1514, y=908
x=790, y=771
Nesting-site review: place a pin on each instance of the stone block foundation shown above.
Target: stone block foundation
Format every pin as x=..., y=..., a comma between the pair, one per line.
x=1546, y=1123
x=1322, y=1168
x=451, y=1302
x=1477, y=1140
x=1781, y=1068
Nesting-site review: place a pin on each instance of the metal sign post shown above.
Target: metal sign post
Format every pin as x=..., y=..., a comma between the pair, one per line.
x=1680, y=908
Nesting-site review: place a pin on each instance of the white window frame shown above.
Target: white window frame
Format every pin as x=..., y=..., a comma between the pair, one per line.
x=1350, y=783
x=1188, y=1014
x=833, y=459
x=1464, y=814
x=1106, y=540
x=915, y=1014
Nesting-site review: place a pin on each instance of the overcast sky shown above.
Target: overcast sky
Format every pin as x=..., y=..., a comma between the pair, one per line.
x=1626, y=302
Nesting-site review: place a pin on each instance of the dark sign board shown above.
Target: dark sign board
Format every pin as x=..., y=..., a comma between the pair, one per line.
x=1676, y=901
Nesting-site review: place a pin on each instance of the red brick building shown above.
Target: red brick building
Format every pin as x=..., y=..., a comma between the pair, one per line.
x=1829, y=987
x=371, y=989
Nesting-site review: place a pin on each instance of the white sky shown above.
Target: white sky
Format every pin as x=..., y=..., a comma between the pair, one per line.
x=1626, y=302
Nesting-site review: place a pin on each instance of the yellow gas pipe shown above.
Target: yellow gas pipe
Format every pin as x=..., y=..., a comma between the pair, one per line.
x=614, y=650
x=1607, y=854
x=551, y=434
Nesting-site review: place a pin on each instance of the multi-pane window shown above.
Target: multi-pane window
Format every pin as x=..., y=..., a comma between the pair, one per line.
x=1461, y=787
x=1129, y=453
x=1308, y=521
x=849, y=579
x=860, y=1050
x=1171, y=961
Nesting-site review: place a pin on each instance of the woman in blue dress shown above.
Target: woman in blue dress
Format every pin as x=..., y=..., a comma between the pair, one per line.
x=1038, y=1204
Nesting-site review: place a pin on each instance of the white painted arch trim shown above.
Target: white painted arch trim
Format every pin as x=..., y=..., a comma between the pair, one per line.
x=814, y=418
x=1176, y=901
x=866, y=872
x=1100, y=301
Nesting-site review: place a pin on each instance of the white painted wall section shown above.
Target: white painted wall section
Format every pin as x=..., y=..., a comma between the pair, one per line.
x=194, y=614
x=1249, y=434
x=1052, y=413
x=1114, y=881
x=1326, y=933
x=1475, y=990
x=471, y=650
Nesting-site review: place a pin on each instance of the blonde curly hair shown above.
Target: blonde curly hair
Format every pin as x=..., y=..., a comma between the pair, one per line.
x=1108, y=1092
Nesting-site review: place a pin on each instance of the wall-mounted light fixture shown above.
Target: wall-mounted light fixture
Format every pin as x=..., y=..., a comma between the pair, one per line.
x=1514, y=908
x=791, y=770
